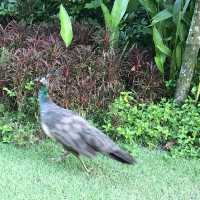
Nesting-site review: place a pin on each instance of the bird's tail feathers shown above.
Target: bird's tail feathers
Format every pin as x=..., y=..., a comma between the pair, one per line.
x=122, y=156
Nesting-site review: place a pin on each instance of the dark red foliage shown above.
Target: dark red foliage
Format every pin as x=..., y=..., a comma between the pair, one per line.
x=89, y=76
x=142, y=75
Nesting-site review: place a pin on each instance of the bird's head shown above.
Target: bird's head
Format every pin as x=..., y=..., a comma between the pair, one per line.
x=43, y=81
x=46, y=80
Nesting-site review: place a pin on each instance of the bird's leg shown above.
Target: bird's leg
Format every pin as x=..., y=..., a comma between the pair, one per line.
x=64, y=155
x=84, y=166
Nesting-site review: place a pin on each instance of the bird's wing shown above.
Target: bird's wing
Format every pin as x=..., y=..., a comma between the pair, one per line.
x=76, y=133
x=90, y=135
x=102, y=143
x=64, y=127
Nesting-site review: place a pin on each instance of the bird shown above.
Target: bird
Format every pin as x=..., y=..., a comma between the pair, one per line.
x=73, y=132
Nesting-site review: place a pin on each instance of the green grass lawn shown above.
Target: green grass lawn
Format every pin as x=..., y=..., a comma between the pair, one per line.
x=28, y=173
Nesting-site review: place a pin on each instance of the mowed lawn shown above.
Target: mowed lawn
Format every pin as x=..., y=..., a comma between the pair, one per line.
x=29, y=174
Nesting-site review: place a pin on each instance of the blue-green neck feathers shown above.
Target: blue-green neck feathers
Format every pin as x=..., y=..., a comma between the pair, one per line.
x=43, y=95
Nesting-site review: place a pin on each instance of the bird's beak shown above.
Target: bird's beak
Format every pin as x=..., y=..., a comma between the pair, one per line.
x=36, y=80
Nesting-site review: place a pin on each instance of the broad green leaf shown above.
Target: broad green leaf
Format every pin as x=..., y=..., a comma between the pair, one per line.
x=149, y=5
x=177, y=10
x=176, y=60
x=179, y=55
x=198, y=93
x=161, y=16
x=93, y=4
x=187, y=2
x=182, y=31
x=66, y=26
x=160, y=60
x=177, y=6
x=158, y=41
x=159, y=64
x=118, y=11
x=114, y=37
x=107, y=16
x=173, y=65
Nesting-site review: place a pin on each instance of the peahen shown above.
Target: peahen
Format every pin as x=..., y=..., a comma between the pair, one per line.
x=73, y=132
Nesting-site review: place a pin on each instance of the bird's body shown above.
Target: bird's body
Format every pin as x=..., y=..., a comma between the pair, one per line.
x=74, y=133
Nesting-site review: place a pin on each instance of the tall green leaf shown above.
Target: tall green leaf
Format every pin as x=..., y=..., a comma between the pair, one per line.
x=107, y=16
x=161, y=16
x=187, y=2
x=178, y=55
x=182, y=31
x=93, y=4
x=118, y=11
x=177, y=10
x=66, y=26
x=158, y=41
x=149, y=5
x=160, y=60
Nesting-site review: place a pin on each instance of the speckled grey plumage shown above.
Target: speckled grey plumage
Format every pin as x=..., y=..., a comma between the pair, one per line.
x=76, y=134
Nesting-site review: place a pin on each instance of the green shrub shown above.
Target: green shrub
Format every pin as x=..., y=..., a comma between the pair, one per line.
x=156, y=125
x=8, y=10
x=38, y=10
x=17, y=128
x=170, y=22
x=32, y=11
x=135, y=28
x=23, y=97
x=8, y=7
x=89, y=77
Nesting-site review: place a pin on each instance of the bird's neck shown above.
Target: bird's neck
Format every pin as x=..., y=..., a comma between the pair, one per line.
x=43, y=95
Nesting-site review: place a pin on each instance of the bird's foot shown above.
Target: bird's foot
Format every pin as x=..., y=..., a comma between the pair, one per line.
x=88, y=171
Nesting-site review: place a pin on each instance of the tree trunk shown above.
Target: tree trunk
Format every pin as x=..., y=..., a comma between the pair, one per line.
x=189, y=57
